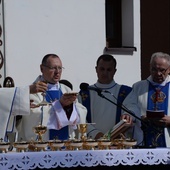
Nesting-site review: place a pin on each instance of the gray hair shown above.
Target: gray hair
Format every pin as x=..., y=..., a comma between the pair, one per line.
x=160, y=55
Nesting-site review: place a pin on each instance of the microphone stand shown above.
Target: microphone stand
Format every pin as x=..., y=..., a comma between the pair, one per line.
x=123, y=108
x=146, y=124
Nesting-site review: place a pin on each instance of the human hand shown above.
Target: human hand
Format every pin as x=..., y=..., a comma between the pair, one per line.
x=128, y=118
x=68, y=99
x=164, y=121
x=32, y=105
x=40, y=86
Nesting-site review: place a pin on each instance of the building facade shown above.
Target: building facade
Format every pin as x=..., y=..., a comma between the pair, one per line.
x=79, y=31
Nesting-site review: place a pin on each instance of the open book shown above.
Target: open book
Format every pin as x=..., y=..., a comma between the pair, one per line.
x=119, y=128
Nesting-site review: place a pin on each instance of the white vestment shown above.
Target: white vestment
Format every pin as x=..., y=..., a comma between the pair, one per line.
x=14, y=101
x=138, y=104
x=103, y=112
x=54, y=117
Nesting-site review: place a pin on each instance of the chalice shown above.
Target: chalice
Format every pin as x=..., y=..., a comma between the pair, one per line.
x=40, y=131
x=82, y=128
x=43, y=102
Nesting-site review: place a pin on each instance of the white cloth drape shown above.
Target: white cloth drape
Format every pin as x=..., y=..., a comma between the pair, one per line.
x=13, y=101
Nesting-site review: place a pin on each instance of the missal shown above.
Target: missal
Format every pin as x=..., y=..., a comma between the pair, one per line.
x=155, y=114
x=118, y=129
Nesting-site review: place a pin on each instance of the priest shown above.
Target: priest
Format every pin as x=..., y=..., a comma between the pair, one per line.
x=15, y=101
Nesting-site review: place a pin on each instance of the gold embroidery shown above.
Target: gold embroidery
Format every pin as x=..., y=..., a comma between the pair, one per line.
x=123, y=93
x=84, y=96
x=160, y=98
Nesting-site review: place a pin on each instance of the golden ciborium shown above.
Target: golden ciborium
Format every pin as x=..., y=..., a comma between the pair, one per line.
x=76, y=144
x=40, y=131
x=4, y=146
x=21, y=146
x=82, y=128
x=104, y=143
x=55, y=145
x=90, y=144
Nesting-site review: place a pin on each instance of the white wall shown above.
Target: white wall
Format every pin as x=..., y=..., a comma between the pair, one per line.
x=129, y=68
x=73, y=29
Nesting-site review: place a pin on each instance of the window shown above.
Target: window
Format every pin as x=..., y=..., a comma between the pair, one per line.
x=113, y=23
x=119, y=25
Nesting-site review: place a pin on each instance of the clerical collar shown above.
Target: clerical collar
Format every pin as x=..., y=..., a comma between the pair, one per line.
x=158, y=84
x=53, y=86
x=105, y=86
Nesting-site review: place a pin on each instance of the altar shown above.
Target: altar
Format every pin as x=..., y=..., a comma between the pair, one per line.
x=83, y=159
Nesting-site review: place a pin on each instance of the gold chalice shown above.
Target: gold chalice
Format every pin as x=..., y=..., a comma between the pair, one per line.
x=82, y=128
x=40, y=131
x=44, y=102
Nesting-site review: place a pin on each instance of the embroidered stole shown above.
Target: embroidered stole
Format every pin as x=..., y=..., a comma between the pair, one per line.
x=157, y=100
x=62, y=134
x=85, y=97
x=123, y=92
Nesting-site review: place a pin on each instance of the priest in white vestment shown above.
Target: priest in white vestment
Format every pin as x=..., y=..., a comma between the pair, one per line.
x=62, y=115
x=14, y=101
x=102, y=114
x=153, y=94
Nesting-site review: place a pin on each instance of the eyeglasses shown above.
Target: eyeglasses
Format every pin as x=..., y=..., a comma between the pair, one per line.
x=58, y=68
x=162, y=71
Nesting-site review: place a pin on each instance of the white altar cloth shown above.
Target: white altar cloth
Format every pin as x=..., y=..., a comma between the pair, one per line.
x=84, y=158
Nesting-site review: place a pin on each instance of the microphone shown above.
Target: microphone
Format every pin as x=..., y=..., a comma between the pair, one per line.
x=85, y=86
